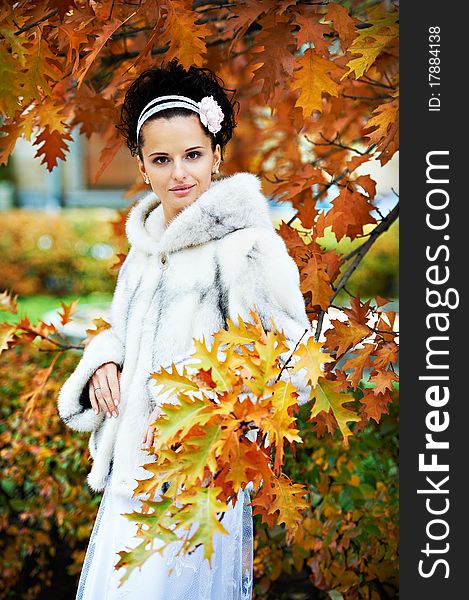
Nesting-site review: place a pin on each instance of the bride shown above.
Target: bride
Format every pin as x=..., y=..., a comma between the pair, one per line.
x=202, y=250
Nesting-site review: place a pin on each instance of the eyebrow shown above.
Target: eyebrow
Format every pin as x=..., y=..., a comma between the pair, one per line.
x=166, y=154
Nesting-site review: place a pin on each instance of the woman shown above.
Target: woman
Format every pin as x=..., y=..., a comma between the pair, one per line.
x=201, y=251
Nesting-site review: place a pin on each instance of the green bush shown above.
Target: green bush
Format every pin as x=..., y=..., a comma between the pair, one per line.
x=71, y=252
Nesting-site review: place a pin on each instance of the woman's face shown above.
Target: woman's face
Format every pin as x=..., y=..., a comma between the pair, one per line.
x=177, y=152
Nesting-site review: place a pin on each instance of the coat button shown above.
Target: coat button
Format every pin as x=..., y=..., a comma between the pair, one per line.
x=163, y=260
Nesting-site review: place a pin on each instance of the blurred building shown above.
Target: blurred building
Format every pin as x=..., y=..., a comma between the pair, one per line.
x=71, y=182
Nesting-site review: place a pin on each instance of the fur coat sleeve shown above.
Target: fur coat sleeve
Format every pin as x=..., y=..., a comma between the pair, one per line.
x=74, y=405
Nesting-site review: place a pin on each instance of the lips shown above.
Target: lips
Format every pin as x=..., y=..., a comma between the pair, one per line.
x=180, y=189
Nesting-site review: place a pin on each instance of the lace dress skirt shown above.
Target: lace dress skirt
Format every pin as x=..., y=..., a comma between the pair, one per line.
x=230, y=577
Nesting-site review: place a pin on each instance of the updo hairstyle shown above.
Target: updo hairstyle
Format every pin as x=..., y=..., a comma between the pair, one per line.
x=195, y=82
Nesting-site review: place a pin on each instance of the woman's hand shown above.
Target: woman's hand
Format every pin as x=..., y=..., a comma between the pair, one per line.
x=149, y=435
x=104, y=389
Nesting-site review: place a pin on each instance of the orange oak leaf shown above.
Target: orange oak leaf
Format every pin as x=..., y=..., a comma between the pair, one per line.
x=243, y=16
x=375, y=405
x=356, y=161
x=316, y=281
x=295, y=245
x=380, y=301
x=113, y=144
x=53, y=146
x=358, y=363
x=290, y=503
x=385, y=325
x=368, y=184
x=349, y=214
x=324, y=422
x=386, y=353
x=28, y=331
x=275, y=58
x=98, y=44
x=311, y=30
x=385, y=125
x=343, y=23
x=121, y=258
x=186, y=37
x=10, y=133
x=343, y=336
x=67, y=311
x=383, y=381
x=358, y=311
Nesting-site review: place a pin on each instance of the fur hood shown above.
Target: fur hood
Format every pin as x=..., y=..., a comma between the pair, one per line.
x=217, y=259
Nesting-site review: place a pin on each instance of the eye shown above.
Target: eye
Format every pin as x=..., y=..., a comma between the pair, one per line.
x=157, y=159
x=194, y=152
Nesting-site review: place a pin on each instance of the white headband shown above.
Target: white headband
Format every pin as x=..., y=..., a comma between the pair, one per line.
x=208, y=109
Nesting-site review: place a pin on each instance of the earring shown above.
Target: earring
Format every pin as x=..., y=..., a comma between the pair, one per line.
x=146, y=180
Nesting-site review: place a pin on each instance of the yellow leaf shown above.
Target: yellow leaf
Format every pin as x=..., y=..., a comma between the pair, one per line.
x=370, y=42
x=290, y=503
x=101, y=324
x=385, y=116
x=201, y=506
x=10, y=80
x=313, y=81
x=172, y=380
x=243, y=333
x=200, y=452
x=262, y=365
x=41, y=72
x=177, y=420
x=328, y=398
x=280, y=424
x=209, y=360
x=311, y=358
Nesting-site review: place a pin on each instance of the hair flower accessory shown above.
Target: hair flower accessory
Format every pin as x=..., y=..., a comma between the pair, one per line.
x=210, y=113
x=208, y=109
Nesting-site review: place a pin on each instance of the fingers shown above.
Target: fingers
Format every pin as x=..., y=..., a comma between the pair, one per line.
x=149, y=436
x=113, y=380
x=155, y=414
x=94, y=402
x=102, y=390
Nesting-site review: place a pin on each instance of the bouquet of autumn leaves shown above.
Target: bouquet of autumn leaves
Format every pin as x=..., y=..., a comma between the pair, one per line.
x=235, y=411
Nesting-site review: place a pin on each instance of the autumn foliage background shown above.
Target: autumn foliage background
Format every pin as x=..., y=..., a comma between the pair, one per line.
x=318, y=86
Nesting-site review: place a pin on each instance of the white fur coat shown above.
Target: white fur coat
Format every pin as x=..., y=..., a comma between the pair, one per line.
x=216, y=259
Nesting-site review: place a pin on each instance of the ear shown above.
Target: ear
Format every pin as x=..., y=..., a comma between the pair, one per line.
x=217, y=157
x=141, y=167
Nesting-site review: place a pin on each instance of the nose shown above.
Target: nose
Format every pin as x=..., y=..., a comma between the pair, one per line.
x=179, y=172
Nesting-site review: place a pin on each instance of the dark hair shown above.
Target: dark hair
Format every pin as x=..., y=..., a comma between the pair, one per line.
x=195, y=82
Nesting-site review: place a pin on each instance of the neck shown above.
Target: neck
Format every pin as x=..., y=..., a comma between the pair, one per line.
x=169, y=213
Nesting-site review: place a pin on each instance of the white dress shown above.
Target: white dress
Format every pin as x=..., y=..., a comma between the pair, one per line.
x=230, y=578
